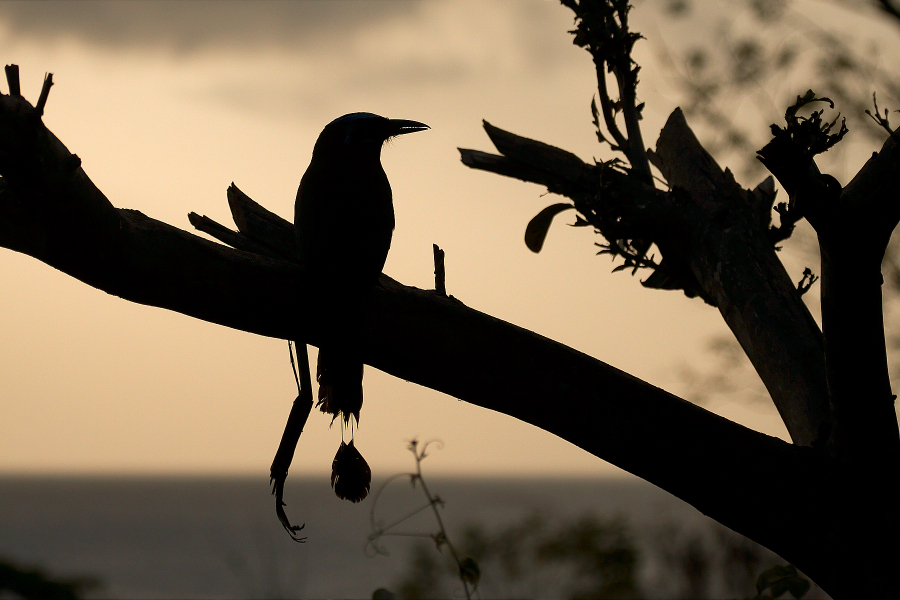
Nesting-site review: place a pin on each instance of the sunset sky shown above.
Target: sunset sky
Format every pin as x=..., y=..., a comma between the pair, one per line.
x=168, y=103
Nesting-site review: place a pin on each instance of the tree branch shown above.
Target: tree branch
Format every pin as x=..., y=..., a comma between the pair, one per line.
x=856, y=354
x=602, y=29
x=854, y=226
x=778, y=494
x=422, y=337
x=712, y=238
x=56, y=214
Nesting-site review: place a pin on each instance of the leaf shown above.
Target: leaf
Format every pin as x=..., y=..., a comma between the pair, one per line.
x=808, y=98
x=768, y=577
x=536, y=231
x=660, y=279
x=798, y=586
x=580, y=222
x=469, y=571
x=780, y=579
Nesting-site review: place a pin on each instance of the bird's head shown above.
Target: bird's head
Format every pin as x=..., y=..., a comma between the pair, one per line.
x=362, y=133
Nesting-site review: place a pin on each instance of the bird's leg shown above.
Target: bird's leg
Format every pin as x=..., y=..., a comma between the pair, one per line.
x=292, y=430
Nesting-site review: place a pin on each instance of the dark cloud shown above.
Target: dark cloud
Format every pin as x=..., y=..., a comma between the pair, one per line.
x=189, y=26
x=451, y=43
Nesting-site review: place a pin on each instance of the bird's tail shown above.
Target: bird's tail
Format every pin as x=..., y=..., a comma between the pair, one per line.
x=339, y=374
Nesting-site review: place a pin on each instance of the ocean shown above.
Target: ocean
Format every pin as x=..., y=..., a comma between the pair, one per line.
x=218, y=537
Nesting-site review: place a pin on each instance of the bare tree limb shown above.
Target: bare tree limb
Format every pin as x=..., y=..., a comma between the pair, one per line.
x=854, y=226
x=720, y=234
x=711, y=233
x=853, y=238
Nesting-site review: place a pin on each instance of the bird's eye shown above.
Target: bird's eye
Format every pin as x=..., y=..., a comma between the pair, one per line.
x=357, y=137
x=364, y=132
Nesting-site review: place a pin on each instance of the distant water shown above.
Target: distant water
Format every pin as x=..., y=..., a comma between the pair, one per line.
x=208, y=537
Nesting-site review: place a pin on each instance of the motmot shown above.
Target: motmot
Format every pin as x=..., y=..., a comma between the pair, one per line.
x=344, y=220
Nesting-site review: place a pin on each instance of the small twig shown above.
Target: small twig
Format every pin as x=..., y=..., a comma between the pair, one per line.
x=883, y=121
x=602, y=30
x=434, y=501
x=606, y=108
x=12, y=78
x=45, y=91
x=440, y=538
x=383, y=530
x=440, y=283
x=633, y=260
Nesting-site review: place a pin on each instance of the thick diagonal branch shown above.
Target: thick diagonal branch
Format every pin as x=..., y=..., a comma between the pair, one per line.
x=428, y=339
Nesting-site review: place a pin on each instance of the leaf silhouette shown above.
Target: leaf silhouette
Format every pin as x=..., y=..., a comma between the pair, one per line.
x=536, y=231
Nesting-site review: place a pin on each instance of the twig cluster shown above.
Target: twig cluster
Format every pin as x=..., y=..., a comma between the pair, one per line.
x=601, y=28
x=789, y=156
x=468, y=570
x=882, y=121
x=812, y=134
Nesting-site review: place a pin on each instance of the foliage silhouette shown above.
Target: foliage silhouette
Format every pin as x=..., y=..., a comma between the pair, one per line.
x=588, y=556
x=34, y=584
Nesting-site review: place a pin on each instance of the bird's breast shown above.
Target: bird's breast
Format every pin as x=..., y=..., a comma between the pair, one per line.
x=344, y=220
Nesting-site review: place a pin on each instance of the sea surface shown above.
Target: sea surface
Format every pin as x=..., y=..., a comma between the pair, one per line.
x=218, y=537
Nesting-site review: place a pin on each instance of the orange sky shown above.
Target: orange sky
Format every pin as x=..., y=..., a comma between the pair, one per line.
x=168, y=103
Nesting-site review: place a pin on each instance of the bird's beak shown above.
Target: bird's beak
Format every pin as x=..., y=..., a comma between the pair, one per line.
x=401, y=126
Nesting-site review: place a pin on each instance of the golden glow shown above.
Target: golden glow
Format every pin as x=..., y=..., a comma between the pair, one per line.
x=168, y=103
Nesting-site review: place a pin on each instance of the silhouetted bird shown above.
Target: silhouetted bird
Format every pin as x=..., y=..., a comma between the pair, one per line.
x=344, y=217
